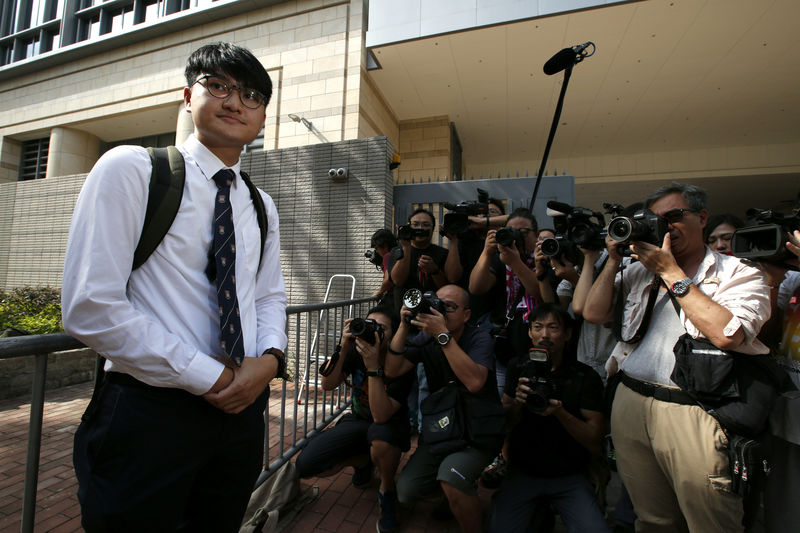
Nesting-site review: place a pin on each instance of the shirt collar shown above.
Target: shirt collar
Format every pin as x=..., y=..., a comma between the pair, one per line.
x=206, y=161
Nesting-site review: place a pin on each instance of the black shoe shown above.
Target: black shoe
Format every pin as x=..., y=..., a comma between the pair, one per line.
x=388, y=504
x=362, y=477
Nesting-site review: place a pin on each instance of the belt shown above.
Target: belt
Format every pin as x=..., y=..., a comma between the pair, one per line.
x=664, y=394
x=118, y=378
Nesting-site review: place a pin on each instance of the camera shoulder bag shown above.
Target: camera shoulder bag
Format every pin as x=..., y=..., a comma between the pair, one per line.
x=737, y=389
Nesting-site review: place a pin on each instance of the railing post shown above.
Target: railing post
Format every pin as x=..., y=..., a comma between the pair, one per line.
x=34, y=444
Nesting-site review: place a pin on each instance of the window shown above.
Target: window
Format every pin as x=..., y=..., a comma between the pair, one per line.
x=34, y=159
x=157, y=141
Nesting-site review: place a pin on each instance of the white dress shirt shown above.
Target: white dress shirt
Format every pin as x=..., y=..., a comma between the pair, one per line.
x=160, y=323
x=740, y=288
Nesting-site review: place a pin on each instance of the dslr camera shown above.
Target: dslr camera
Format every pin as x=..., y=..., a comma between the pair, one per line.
x=418, y=302
x=764, y=236
x=643, y=226
x=456, y=221
x=580, y=226
x=365, y=329
x=543, y=388
x=508, y=236
x=374, y=257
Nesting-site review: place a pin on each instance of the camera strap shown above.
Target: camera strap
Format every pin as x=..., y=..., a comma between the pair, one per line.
x=619, y=311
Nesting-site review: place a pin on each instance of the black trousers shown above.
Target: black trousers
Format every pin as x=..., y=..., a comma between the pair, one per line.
x=157, y=459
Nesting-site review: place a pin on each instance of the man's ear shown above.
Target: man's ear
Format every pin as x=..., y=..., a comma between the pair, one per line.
x=187, y=99
x=703, y=214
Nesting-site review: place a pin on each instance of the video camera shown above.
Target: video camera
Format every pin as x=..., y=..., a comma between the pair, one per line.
x=643, y=226
x=764, y=236
x=575, y=226
x=456, y=222
x=365, y=329
x=407, y=233
x=419, y=302
x=538, y=371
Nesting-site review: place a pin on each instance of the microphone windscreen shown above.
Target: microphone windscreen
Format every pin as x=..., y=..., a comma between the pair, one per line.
x=560, y=61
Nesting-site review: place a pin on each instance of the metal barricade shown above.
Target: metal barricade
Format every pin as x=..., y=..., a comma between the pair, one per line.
x=296, y=426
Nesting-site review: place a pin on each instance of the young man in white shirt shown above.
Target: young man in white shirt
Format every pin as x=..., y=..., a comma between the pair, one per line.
x=174, y=439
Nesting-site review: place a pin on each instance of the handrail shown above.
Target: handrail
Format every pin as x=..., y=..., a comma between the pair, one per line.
x=40, y=346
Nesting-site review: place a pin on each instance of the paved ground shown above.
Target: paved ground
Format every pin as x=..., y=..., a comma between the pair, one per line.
x=340, y=507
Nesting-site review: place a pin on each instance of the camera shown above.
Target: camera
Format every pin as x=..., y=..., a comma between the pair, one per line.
x=582, y=227
x=561, y=246
x=540, y=381
x=374, y=257
x=764, y=236
x=508, y=236
x=407, y=233
x=643, y=226
x=419, y=302
x=365, y=328
x=456, y=222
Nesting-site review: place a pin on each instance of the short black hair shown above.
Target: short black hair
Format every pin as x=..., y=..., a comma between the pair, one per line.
x=229, y=60
x=550, y=309
x=383, y=238
x=422, y=210
x=524, y=212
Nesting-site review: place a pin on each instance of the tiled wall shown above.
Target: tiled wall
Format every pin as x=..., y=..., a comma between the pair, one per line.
x=325, y=224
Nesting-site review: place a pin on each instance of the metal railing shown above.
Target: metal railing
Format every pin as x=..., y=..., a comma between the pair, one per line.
x=318, y=409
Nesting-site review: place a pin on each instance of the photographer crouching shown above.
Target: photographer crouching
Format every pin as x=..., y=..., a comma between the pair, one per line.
x=555, y=407
x=376, y=431
x=462, y=419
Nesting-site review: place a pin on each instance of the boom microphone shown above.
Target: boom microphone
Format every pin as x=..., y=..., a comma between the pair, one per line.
x=567, y=58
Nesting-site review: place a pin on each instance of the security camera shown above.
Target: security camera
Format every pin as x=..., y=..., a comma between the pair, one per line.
x=332, y=173
x=338, y=173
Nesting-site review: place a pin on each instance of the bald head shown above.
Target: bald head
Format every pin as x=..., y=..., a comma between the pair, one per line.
x=454, y=293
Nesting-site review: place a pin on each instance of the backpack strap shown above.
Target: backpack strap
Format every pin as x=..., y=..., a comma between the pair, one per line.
x=261, y=212
x=163, y=201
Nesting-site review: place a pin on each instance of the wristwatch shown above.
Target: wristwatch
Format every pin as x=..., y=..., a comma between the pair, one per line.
x=278, y=355
x=443, y=338
x=681, y=287
x=378, y=372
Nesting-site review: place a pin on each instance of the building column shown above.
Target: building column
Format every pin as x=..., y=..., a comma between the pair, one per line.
x=184, y=126
x=71, y=152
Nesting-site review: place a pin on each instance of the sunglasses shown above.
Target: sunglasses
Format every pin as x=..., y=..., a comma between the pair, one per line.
x=673, y=216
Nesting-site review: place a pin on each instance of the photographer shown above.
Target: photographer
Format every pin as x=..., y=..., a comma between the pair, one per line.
x=508, y=275
x=376, y=431
x=783, y=483
x=452, y=352
x=555, y=408
x=671, y=454
x=417, y=263
x=466, y=248
x=382, y=242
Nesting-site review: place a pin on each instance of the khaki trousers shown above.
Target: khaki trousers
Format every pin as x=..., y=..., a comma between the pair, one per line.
x=673, y=460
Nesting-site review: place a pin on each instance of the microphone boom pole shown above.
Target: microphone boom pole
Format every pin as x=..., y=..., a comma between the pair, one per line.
x=553, y=128
x=564, y=59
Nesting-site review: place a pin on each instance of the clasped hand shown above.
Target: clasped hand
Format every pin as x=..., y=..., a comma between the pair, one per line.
x=244, y=384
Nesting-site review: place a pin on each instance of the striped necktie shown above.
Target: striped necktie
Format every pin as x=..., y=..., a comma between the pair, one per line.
x=225, y=258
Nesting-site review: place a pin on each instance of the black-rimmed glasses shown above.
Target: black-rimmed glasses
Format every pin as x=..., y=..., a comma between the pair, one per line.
x=220, y=88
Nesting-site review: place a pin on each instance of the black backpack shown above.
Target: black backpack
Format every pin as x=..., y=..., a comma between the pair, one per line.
x=164, y=200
